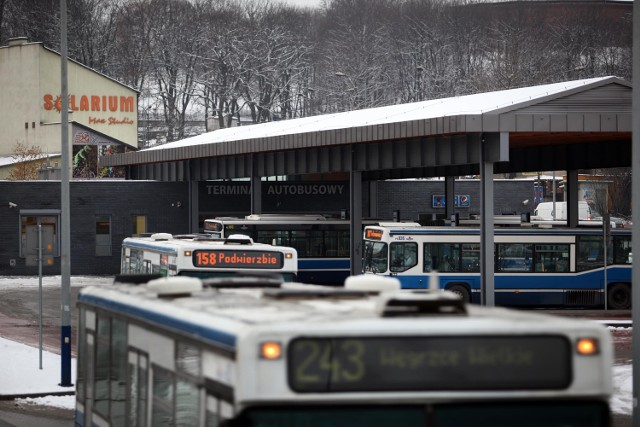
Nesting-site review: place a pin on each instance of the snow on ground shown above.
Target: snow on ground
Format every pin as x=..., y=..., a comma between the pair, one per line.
x=21, y=374
x=25, y=378
x=622, y=400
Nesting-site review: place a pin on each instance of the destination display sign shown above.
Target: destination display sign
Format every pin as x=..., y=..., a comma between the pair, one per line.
x=372, y=234
x=219, y=258
x=461, y=363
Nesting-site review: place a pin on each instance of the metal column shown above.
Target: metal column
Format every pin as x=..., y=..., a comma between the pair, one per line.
x=449, y=196
x=256, y=188
x=635, y=208
x=65, y=207
x=355, y=206
x=494, y=148
x=572, y=198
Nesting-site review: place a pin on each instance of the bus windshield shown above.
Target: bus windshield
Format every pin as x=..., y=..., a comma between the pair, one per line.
x=502, y=414
x=374, y=257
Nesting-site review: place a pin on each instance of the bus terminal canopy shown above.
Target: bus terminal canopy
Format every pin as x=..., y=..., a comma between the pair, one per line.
x=571, y=125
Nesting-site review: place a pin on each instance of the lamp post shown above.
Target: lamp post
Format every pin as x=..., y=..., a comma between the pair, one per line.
x=65, y=249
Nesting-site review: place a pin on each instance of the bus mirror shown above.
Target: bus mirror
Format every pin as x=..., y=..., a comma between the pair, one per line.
x=455, y=219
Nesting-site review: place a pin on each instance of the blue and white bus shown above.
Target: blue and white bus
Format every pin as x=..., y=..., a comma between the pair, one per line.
x=324, y=255
x=534, y=266
x=205, y=256
x=179, y=351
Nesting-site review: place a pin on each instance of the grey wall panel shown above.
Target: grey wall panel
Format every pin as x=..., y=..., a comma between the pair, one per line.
x=575, y=122
x=460, y=151
x=429, y=153
x=524, y=123
x=557, y=123
x=541, y=123
x=624, y=122
x=444, y=151
x=608, y=123
x=592, y=122
x=507, y=123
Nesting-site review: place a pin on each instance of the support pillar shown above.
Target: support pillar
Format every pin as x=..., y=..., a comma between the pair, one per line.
x=449, y=196
x=572, y=198
x=355, y=207
x=256, y=188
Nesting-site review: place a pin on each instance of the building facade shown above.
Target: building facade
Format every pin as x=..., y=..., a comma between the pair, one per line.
x=103, y=112
x=104, y=212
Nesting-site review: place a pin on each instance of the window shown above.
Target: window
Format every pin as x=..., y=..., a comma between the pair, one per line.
x=443, y=257
x=471, y=257
x=589, y=253
x=515, y=257
x=180, y=390
x=189, y=368
x=103, y=335
x=336, y=243
x=139, y=224
x=118, y=368
x=137, y=399
x=403, y=256
x=552, y=258
x=163, y=386
x=374, y=257
x=103, y=235
x=81, y=362
x=111, y=369
x=621, y=250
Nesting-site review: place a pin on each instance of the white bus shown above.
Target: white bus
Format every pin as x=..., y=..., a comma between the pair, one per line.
x=211, y=353
x=205, y=256
x=533, y=265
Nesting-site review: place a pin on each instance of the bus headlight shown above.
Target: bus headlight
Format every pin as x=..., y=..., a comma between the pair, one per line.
x=270, y=350
x=587, y=346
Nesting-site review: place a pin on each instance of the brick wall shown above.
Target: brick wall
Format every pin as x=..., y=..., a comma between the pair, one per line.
x=120, y=200
x=414, y=198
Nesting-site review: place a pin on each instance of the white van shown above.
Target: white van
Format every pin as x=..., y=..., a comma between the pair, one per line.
x=544, y=211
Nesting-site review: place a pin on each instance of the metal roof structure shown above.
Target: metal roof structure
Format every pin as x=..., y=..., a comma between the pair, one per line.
x=560, y=126
x=572, y=125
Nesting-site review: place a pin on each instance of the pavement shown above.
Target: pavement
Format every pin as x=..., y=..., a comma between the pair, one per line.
x=25, y=374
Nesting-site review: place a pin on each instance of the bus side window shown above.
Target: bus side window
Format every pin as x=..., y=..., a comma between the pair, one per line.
x=621, y=250
x=515, y=257
x=403, y=256
x=589, y=253
x=441, y=257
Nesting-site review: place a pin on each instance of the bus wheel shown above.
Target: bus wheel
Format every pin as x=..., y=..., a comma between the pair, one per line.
x=619, y=296
x=461, y=290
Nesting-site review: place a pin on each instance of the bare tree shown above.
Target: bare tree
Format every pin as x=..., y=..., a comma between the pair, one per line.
x=27, y=161
x=611, y=193
x=34, y=19
x=174, y=46
x=92, y=40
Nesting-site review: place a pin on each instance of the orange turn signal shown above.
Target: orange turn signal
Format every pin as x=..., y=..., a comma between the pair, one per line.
x=270, y=350
x=288, y=255
x=587, y=346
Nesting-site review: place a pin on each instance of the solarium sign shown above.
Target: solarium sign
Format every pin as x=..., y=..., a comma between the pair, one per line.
x=110, y=110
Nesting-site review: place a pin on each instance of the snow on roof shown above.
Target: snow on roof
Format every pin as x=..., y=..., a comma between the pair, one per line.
x=480, y=103
x=10, y=160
